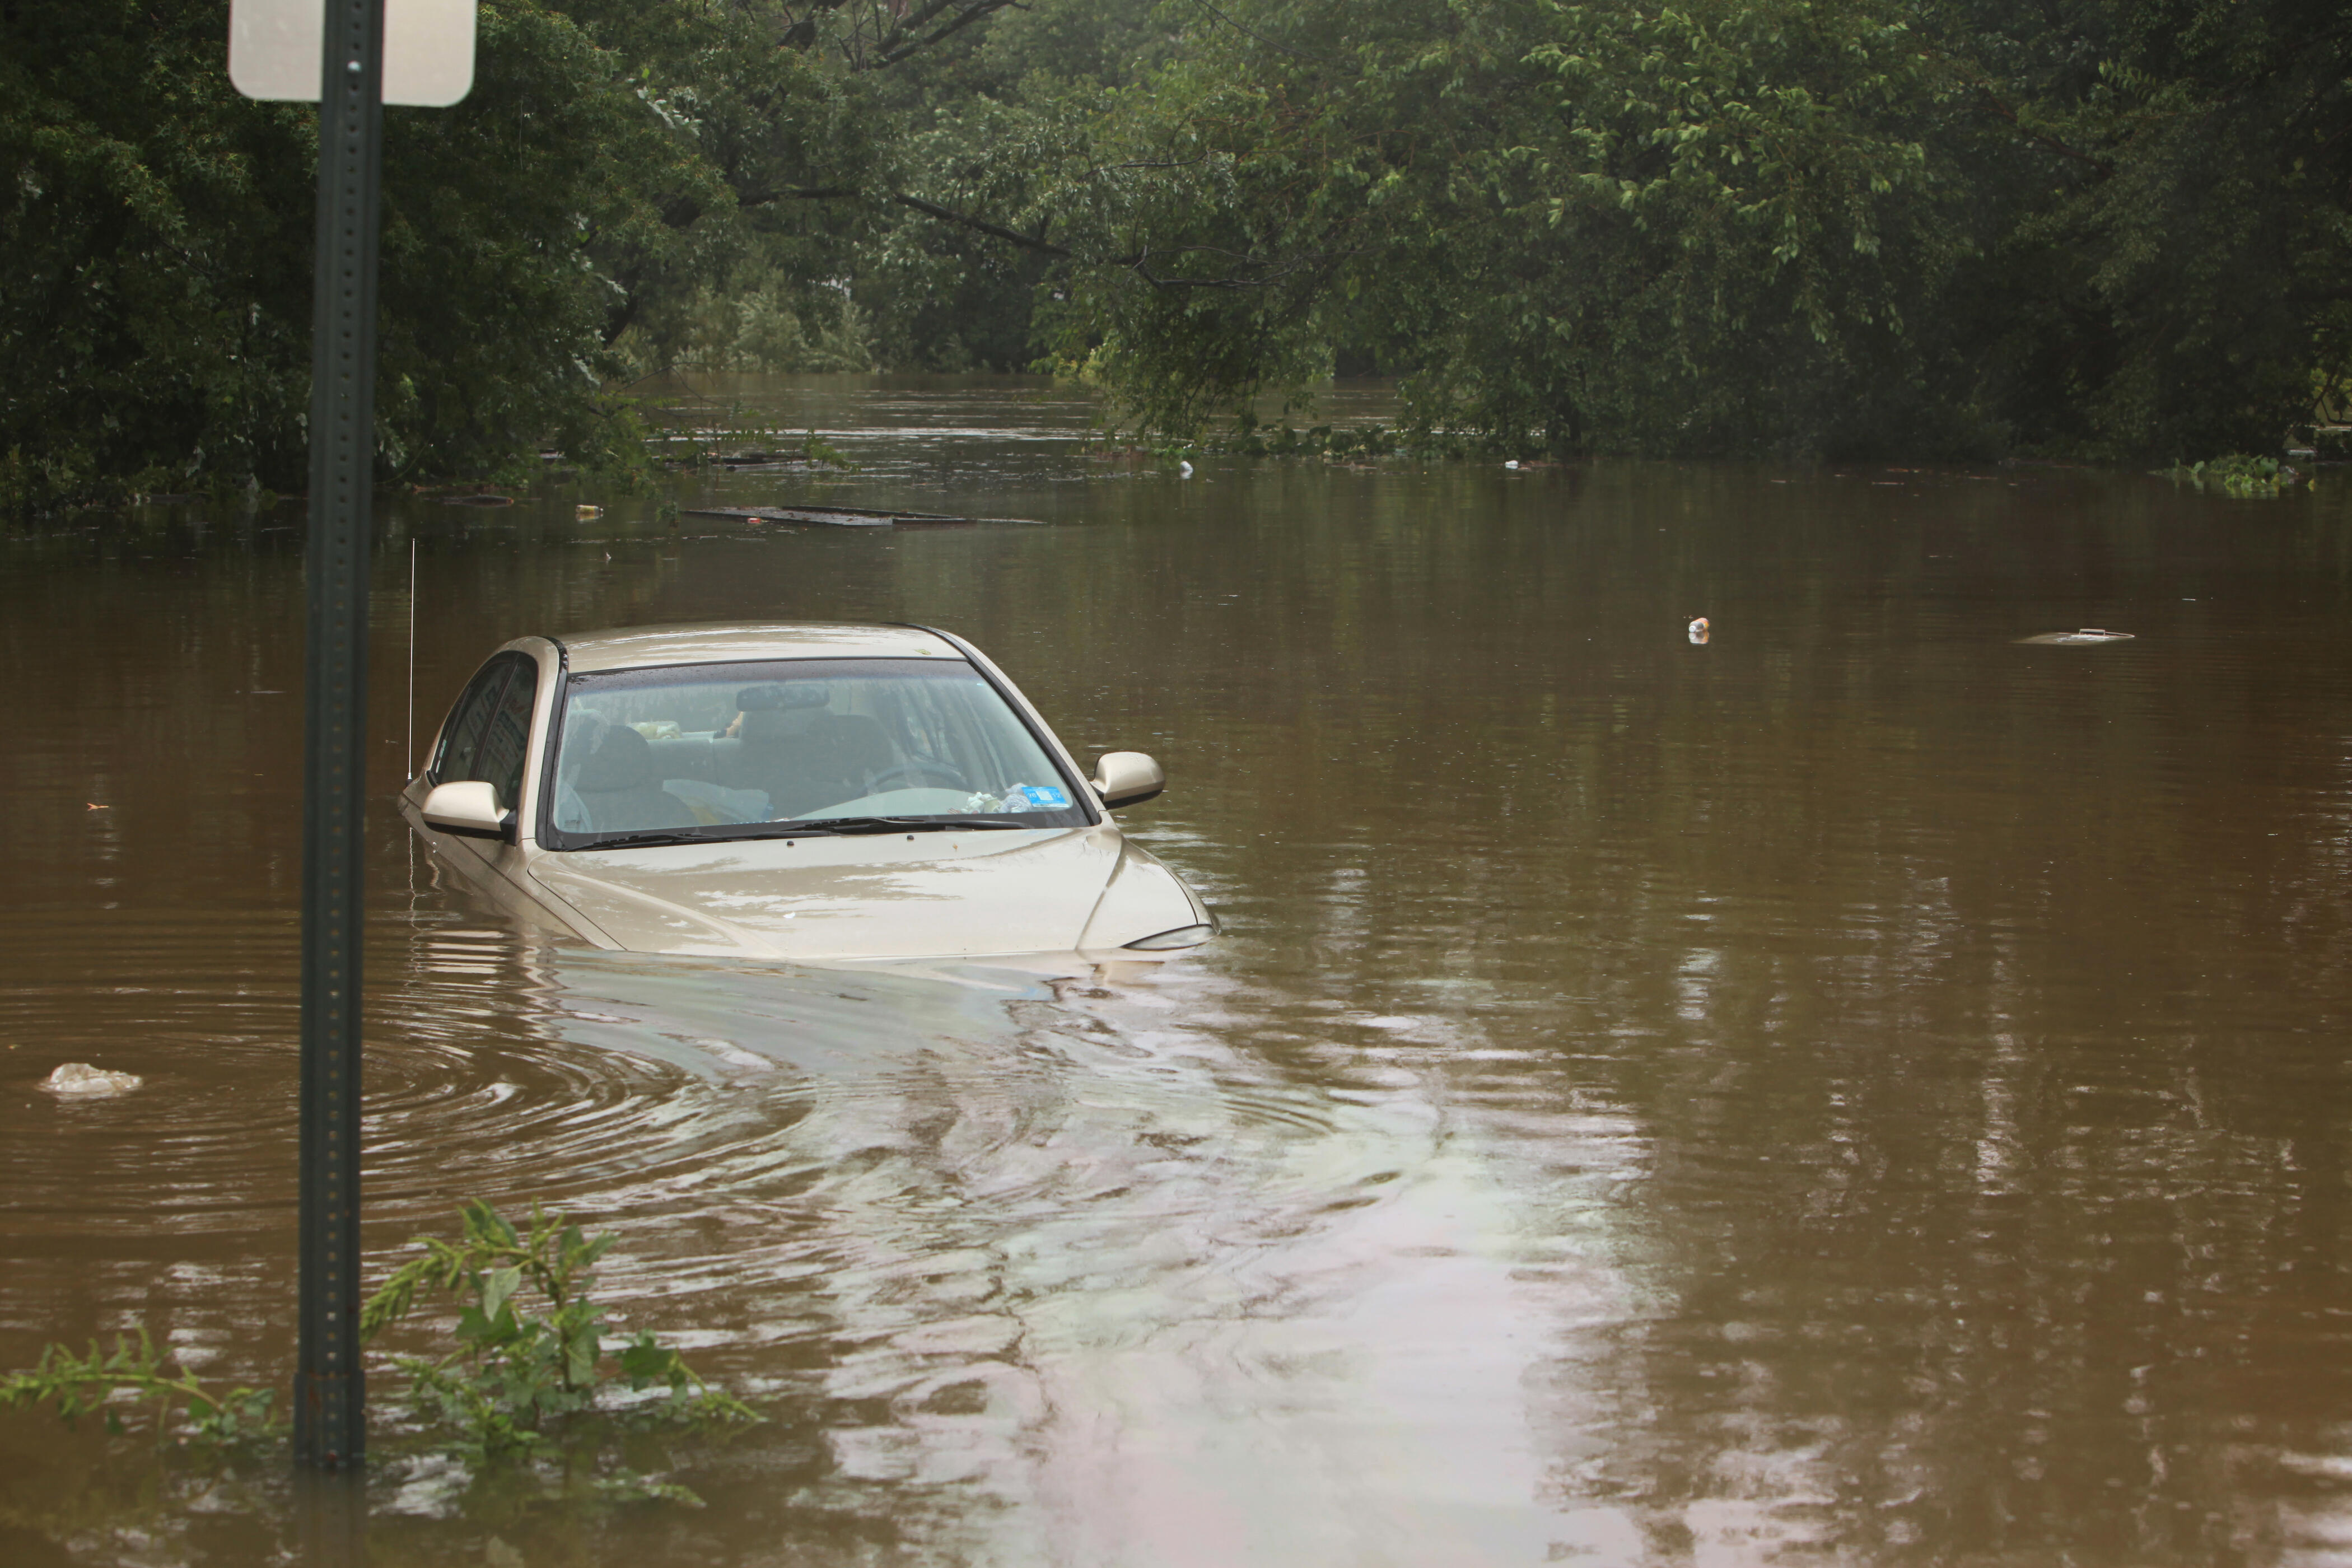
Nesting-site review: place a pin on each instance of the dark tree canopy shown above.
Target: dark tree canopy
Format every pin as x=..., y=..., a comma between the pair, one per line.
x=155, y=233
x=2103, y=226
x=2115, y=227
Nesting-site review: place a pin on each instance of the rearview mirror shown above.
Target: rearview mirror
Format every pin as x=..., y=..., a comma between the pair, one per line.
x=469, y=808
x=1127, y=778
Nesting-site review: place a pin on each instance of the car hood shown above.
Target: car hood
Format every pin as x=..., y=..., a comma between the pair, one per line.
x=888, y=895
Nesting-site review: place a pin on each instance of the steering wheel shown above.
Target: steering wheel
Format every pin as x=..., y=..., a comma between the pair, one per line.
x=908, y=771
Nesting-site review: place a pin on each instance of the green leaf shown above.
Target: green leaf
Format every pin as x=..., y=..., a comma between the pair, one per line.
x=644, y=1362
x=498, y=1287
x=582, y=1352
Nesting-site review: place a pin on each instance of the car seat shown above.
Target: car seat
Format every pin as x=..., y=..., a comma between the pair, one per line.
x=844, y=751
x=621, y=787
x=773, y=754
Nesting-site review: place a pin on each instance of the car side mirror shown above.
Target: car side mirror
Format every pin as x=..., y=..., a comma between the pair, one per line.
x=469, y=808
x=1127, y=778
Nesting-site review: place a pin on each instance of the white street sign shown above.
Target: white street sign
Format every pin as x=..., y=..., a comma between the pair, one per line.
x=275, y=49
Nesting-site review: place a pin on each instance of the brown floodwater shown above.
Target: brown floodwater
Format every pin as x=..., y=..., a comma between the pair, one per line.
x=1864, y=1090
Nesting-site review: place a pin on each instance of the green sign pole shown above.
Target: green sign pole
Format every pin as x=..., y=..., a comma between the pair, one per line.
x=329, y=1395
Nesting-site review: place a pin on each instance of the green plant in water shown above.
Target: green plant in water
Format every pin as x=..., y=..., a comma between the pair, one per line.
x=2240, y=474
x=531, y=1343
x=817, y=450
x=79, y=1384
x=533, y=1348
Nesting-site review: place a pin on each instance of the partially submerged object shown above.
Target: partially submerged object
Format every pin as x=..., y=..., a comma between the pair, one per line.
x=809, y=790
x=81, y=1080
x=845, y=516
x=765, y=460
x=2088, y=635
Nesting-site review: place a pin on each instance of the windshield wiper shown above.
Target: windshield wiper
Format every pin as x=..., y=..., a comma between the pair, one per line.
x=795, y=827
x=646, y=840
x=902, y=824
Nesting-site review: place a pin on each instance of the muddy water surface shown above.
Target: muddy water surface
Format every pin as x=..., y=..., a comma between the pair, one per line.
x=1861, y=1090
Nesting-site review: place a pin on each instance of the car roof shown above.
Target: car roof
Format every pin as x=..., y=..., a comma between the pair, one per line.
x=727, y=642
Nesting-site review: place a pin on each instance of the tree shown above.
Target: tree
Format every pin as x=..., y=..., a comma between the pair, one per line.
x=153, y=305
x=1710, y=229
x=2106, y=226
x=155, y=288
x=2168, y=269
x=2114, y=227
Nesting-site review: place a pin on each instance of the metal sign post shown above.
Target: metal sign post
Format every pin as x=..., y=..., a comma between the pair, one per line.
x=329, y=1395
x=346, y=56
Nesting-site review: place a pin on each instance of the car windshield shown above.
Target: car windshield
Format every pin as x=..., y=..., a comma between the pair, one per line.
x=755, y=749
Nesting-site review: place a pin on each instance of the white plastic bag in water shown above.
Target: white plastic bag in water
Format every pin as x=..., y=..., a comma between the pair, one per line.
x=81, y=1079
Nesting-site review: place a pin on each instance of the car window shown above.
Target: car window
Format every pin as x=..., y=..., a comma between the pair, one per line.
x=507, y=734
x=481, y=728
x=939, y=720
x=712, y=747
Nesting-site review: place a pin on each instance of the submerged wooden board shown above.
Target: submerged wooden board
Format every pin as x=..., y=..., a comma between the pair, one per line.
x=831, y=517
x=2088, y=635
x=844, y=516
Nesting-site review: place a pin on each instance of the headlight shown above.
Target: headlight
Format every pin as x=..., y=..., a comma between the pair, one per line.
x=1182, y=936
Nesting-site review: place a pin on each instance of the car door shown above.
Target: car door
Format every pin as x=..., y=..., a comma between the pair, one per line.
x=488, y=737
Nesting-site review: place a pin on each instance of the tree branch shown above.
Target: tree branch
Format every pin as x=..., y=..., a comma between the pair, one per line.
x=899, y=42
x=1141, y=265
x=1138, y=263
x=1261, y=37
x=948, y=215
x=2043, y=139
x=965, y=20
x=811, y=194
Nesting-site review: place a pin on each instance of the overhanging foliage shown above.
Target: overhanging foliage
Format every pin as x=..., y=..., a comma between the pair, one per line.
x=2106, y=226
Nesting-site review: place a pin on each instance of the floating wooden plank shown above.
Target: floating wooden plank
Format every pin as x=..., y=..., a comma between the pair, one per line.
x=829, y=517
x=844, y=516
x=2088, y=635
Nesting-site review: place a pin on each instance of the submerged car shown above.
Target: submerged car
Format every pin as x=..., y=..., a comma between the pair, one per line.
x=812, y=791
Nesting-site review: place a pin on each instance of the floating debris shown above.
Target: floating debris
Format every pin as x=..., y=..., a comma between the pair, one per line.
x=587, y=514
x=2241, y=476
x=1698, y=630
x=1513, y=465
x=845, y=516
x=1184, y=470
x=2088, y=635
x=475, y=500
x=80, y=1078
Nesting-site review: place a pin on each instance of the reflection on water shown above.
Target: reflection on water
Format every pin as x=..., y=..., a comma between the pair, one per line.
x=1855, y=1091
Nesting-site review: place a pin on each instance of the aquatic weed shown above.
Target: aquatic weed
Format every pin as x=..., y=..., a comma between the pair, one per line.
x=516, y=1368
x=79, y=1384
x=2239, y=475
x=534, y=1350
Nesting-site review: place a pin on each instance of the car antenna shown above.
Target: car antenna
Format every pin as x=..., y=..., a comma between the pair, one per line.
x=408, y=752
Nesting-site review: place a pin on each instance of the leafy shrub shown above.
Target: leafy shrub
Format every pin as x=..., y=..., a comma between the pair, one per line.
x=515, y=1368
x=2240, y=474
x=534, y=1349
x=79, y=1385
